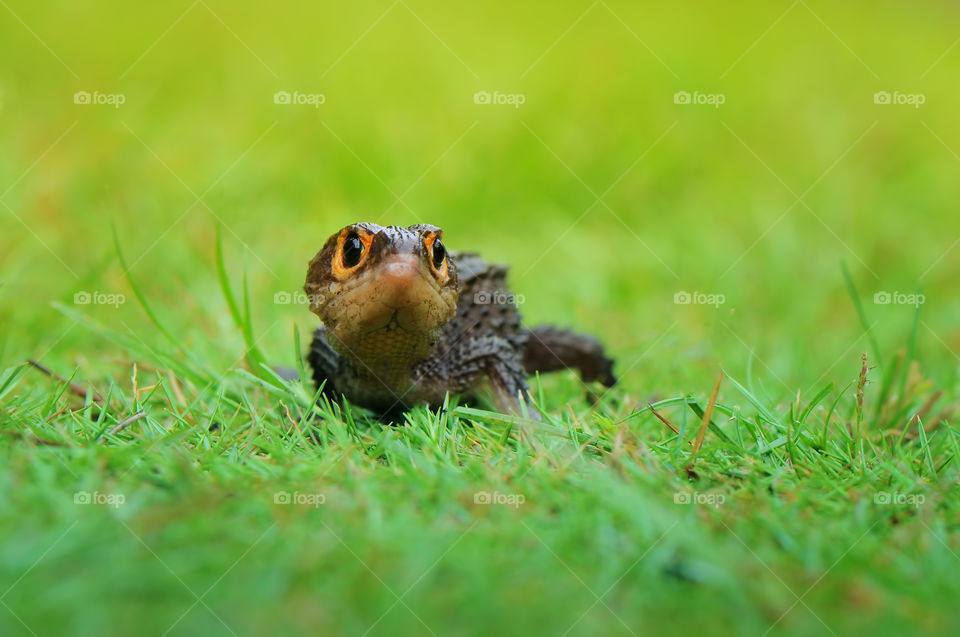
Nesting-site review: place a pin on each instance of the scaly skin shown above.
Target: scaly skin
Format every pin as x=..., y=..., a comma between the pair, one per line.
x=405, y=323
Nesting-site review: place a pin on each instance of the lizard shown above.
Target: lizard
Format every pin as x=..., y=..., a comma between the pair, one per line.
x=406, y=322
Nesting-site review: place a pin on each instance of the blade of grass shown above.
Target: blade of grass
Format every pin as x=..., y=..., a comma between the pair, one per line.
x=8, y=381
x=887, y=385
x=764, y=411
x=855, y=297
x=816, y=401
x=176, y=342
x=306, y=380
x=253, y=356
x=136, y=347
x=911, y=348
x=698, y=443
x=225, y=282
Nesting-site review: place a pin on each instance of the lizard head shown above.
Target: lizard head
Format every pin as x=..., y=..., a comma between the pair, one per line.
x=368, y=278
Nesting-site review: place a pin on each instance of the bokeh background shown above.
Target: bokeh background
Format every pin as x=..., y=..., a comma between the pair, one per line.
x=605, y=195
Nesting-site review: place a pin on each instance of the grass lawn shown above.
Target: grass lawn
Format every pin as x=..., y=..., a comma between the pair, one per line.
x=761, y=195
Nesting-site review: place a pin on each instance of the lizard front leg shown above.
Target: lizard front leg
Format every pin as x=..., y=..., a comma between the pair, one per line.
x=466, y=366
x=324, y=362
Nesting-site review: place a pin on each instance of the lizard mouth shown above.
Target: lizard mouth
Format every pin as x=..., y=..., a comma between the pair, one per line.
x=397, y=292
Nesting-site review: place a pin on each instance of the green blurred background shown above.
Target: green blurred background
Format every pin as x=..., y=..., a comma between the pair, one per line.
x=605, y=196
x=691, y=197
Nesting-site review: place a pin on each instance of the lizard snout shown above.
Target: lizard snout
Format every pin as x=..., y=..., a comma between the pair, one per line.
x=401, y=271
x=401, y=284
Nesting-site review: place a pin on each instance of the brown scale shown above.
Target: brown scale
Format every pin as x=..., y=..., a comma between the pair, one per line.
x=406, y=323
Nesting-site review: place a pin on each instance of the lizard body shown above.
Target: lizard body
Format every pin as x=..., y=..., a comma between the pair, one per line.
x=405, y=322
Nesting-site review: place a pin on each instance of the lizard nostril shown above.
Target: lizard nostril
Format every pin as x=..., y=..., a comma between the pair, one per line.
x=401, y=269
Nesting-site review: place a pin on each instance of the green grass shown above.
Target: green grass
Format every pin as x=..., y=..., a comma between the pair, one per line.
x=823, y=499
x=588, y=534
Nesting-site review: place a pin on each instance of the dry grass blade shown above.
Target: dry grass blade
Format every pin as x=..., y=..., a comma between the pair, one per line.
x=75, y=388
x=126, y=422
x=663, y=420
x=707, y=415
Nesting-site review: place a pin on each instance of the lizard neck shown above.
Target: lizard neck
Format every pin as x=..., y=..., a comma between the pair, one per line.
x=380, y=361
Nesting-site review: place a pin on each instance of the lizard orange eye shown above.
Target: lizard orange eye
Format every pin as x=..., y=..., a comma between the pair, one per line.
x=352, y=250
x=439, y=254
